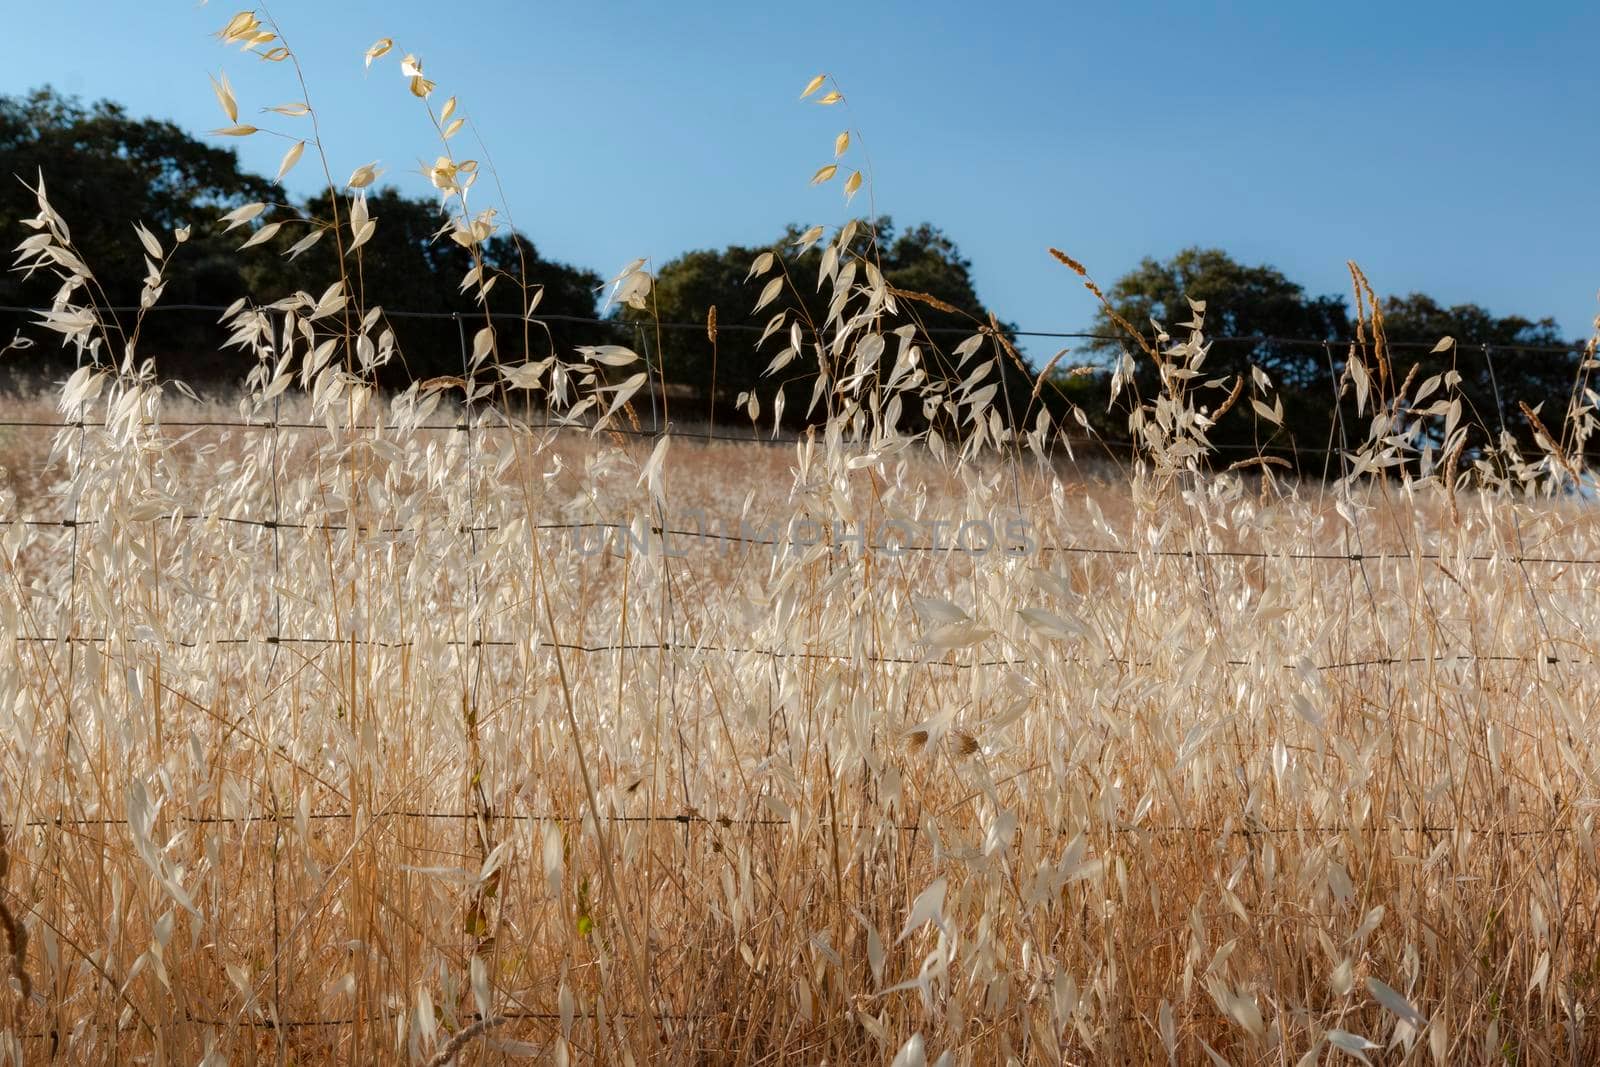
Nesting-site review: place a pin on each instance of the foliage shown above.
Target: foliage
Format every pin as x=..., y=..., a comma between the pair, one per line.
x=363, y=733
x=96, y=155
x=1258, y=318
x=1503, y=361
x=408, y=265
x=922, y=260
x=1241, y=301
x=160, y=175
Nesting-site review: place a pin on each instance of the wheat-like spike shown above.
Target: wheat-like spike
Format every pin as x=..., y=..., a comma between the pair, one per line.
x=1261, y=461
x=1448, y=475
x=1072, y=264
x=1548, y=441
x=1044, y=375
x=926, y=298
x=1233, y=398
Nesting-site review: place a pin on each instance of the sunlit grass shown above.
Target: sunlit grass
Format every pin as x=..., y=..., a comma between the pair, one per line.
x=401, y=727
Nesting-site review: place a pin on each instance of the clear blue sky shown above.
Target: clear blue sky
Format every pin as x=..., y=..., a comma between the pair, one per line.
x=1449, y=148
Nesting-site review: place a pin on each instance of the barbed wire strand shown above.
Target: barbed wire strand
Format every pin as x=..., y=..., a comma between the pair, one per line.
x=889, y=548
x=964, y=331
x=804, y=654
x=467, y=425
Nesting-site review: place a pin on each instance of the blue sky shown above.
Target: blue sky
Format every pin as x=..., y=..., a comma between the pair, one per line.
x=1448, y=148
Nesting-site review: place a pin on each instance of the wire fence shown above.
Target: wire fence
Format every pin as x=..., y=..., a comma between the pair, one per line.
x=1318, y=359
x=1069, y=335
x=468, y=425
x=1451, y=658
x=1241, y=828
x=475, y=527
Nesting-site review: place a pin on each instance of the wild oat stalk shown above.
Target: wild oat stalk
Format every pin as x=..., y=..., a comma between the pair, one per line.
x=880, y=745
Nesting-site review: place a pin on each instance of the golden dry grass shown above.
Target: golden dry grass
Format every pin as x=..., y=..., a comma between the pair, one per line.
x=1188, y=797
x=351, y=742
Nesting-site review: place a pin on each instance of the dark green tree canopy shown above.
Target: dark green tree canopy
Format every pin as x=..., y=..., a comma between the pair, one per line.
x=1504, y=361
x=1261, y=318
x=1241, y=302
x=105, y=170
x=1421, y=319
x=409, y=266
x=920, y=260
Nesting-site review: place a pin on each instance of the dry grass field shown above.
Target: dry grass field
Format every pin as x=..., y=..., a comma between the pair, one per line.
x=1179, y=775
x=342, y=727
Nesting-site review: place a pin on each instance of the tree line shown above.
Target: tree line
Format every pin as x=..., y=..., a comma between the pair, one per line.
x=106, y=169
x=1263, y=319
